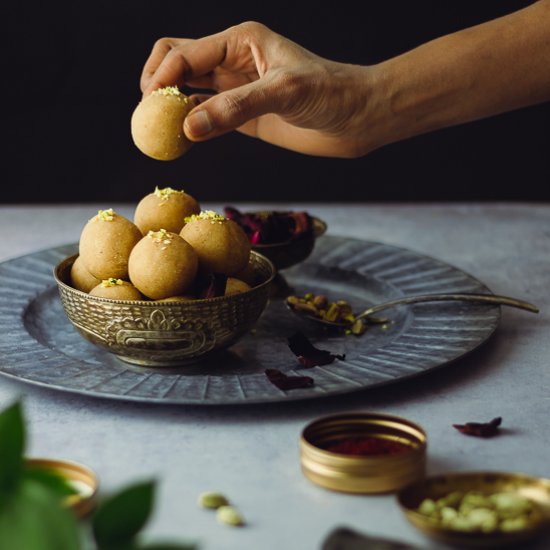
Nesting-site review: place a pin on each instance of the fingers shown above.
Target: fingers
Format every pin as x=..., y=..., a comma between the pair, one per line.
x=232, y=109
x=158, y=53
x=174, y=63
x=247, y=64
x=197, y=99
x=242, y=49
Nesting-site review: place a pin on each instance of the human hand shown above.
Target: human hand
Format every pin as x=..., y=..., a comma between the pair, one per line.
x=267, y=87
x=271, y=88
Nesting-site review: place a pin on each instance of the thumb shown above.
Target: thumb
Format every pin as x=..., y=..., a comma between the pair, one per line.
x=230, y=110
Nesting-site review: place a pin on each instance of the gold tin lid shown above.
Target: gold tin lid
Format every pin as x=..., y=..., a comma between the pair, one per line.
x=80, y=477
x=371, y=473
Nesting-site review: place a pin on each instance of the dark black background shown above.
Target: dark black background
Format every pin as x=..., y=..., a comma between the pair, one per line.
x=71, y=81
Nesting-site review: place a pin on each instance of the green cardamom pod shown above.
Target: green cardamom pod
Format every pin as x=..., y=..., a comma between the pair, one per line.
x=212, y=500
x=229, y=516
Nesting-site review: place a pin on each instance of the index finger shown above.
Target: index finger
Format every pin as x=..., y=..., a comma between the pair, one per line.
x=157, y=55
x=184, y=61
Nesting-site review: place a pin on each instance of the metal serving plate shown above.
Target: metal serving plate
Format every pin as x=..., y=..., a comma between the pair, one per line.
x=39, y=345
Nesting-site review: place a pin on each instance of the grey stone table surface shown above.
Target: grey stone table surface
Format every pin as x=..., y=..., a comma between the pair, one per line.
x=251, y=452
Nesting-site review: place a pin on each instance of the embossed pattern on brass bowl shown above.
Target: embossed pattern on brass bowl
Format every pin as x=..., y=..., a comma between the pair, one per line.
x=156, y=333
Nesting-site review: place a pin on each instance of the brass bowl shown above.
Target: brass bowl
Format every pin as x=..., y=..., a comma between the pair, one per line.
x=80, y=477
x=154, y=333
x=537, y=490
x=288, y=253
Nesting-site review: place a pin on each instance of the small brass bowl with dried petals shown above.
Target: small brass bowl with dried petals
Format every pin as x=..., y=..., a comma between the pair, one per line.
x=285, y=237
x=294, y=251
x=170, y=333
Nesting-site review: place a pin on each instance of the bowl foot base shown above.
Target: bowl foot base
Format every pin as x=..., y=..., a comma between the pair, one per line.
x=166, y=363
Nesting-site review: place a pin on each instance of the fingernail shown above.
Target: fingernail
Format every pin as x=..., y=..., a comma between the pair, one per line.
x=199, y=123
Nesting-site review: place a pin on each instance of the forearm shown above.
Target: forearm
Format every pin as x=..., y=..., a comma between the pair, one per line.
x=478, y=72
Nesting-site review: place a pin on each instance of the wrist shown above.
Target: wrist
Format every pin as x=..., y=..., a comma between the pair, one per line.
x=376, y=120
x=358, y=125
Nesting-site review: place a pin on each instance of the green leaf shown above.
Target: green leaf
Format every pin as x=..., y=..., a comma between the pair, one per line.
x=12, y=446
x=54, y=480
x=119, y=519
x=35, y=520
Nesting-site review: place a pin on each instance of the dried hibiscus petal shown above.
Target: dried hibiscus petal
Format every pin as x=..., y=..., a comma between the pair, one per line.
x=480, y=429
x=285, y=382
x=211, y=286
x=270, y=227
x=308, y=355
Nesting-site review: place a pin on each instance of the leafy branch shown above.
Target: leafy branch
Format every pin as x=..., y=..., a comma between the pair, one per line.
x=33, y=515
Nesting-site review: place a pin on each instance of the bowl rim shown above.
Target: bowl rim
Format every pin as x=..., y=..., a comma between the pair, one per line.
x=307, y=436
x=157, y=303
x=72, y=471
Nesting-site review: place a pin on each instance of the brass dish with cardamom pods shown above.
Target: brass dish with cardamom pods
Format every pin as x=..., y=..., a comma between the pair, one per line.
x=479, y=509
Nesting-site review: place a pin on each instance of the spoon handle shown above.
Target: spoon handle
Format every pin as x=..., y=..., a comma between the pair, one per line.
x=465, y=297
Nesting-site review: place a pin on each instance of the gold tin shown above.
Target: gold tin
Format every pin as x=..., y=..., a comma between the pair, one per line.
x=362, y=474
x=536, y=489
x=81, y=478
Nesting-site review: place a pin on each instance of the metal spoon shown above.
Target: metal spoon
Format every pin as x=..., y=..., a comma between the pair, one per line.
x=491, y=299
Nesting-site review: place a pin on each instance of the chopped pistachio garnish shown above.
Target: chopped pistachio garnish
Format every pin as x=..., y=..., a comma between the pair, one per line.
x=160, y=236
x=172, y=91
x=111, y=281
x=339, y=312
x=206, y=215
x=335, y=312
x=165, y=193
x=104, y=215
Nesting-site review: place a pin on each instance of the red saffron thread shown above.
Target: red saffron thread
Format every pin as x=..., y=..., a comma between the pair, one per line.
x=368, y=446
